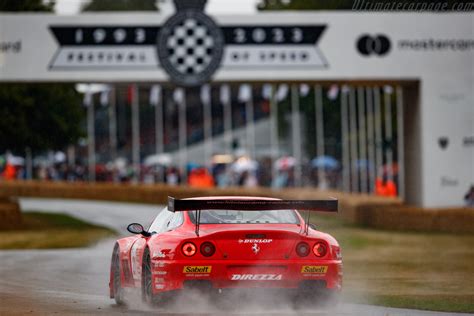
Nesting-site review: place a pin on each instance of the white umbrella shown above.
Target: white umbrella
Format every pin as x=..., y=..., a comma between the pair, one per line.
x=59, y=157
x=120, y=163
x=244, y=164
x=222, y=159
x=159, y=159
x=15, y=160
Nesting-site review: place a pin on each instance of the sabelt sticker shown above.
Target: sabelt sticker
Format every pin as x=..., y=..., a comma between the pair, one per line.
x=197, y=269
x=314, y=269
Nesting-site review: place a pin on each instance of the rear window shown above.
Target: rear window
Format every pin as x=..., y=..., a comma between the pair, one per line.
x=245, y=217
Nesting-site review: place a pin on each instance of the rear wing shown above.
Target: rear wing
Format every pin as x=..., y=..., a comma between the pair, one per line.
x=177, y=205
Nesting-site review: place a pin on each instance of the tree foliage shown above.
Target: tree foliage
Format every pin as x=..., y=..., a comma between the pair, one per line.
x=39, y=116
x=305, y=4
x=120, y=5
x=26, y=5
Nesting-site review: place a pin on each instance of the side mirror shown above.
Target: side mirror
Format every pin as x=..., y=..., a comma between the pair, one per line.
x=312, y=226
x=136, y=228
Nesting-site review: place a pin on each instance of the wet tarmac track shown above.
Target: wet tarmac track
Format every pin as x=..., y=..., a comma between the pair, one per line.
x=75, y=281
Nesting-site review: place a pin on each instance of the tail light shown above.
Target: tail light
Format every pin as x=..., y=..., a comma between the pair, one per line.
x=207, y=249
x=302, y=249
x=320, y=249
x=336, y=252
x=189, y=249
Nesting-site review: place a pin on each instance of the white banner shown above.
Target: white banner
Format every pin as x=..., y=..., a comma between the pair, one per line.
x=155, y=95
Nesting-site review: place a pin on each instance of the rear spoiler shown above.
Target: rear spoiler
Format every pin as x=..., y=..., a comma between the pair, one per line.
x=177, y=205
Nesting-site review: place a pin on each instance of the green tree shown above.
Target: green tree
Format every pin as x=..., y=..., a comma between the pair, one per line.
x=39, y=116
x=305, y=4
x=120, y=5
x=26, y=5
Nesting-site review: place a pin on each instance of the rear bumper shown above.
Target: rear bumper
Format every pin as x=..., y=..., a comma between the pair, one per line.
x=171, y=275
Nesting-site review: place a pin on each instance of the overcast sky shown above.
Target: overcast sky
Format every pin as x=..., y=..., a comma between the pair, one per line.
x=213, y=6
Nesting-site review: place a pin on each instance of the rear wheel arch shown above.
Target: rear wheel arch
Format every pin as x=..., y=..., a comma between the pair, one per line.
x=116, y=274
x=146, y=277
x=112, y=262
x=159, y=299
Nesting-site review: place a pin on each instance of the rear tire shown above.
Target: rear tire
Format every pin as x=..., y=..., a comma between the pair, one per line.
x=147, y=283
x=119, y=294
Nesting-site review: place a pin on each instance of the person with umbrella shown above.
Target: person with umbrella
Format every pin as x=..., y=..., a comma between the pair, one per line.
x=284, y=167
x=244, y=168
x=326, y=169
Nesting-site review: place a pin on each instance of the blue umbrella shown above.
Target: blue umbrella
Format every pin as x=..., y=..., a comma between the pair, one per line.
x=362, y=164
x=192, y=165
x=326, y=162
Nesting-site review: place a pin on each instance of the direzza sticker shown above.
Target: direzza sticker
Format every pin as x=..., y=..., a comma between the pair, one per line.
x=197, y=269
x=314, y=269
x=256, y=277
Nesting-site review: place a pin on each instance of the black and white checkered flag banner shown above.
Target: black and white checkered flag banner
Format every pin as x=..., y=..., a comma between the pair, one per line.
x=189, y=46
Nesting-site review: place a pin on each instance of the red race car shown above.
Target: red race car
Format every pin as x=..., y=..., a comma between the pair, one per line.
x=220, y=244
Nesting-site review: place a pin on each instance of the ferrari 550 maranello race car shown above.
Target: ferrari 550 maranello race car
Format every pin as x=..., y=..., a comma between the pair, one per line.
x=220, y=244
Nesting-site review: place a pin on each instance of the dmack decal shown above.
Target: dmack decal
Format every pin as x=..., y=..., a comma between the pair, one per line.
x=197, y=269
x=256, y=277
x=314, y=269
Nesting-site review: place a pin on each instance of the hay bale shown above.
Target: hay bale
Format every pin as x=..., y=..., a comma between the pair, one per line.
x=10, y=215
x=410, y=218
x=362, y=209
